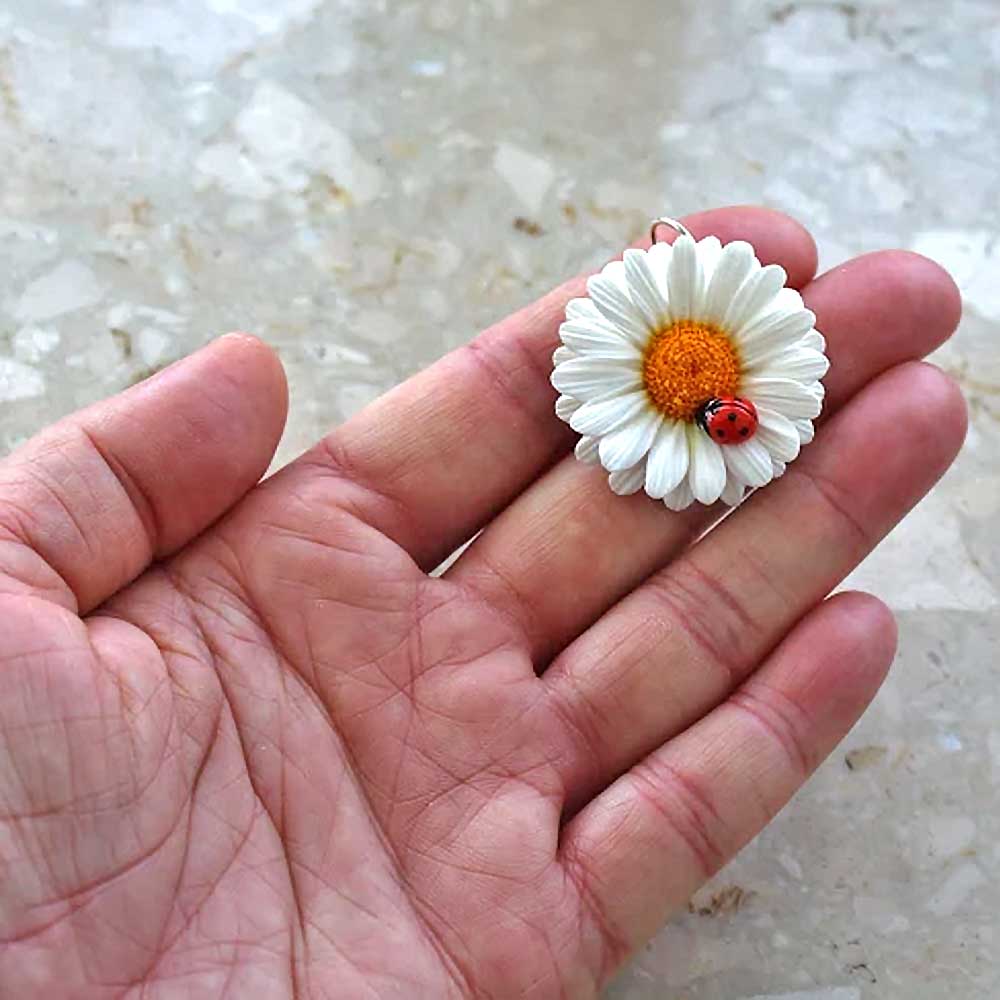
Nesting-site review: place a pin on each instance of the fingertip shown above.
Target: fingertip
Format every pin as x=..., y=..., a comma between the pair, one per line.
x=901, y=289
x=946, y=399
x=935, y=409
x=209, y=423
x=256, y=362
x=832, y=664
x=930, y=288
x=871, y=624
x=776, y=237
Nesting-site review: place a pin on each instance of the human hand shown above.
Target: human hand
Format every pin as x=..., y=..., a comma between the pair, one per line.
x=248, y=747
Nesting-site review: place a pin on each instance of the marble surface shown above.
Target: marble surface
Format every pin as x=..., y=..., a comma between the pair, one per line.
x=366, y=183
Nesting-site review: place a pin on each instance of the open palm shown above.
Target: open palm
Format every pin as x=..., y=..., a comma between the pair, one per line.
x=249, y=747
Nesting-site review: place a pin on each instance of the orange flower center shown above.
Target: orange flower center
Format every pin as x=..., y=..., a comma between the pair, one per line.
x=687, y=364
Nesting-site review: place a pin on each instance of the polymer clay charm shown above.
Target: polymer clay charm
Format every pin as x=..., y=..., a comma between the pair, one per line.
x=690, y=370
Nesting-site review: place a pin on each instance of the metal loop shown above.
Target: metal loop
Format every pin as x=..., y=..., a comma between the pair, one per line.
x=672, y=223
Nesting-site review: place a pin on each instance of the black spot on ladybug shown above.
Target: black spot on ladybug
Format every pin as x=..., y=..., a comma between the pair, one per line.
x=744, y=431
x=720, y=433
x=732, y=418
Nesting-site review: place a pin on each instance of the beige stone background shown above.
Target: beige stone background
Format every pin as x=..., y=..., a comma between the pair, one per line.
x=366, y=183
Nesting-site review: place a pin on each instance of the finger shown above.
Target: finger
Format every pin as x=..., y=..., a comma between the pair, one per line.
x=681, y=642
x=435, y=459
x=86, y=505
x=568, y=548
x=644, y=846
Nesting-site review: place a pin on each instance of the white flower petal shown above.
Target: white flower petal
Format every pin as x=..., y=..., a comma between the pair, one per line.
x=788, y=397
x=683, y=279
x=622, y=448
x=609, y=292
x=774, y=330
x=645, y=290
x=566, y=406
x=813, y=340
x=562, y=354
x=582, y=309
x=799, y=364
x=628, y=481
x=707, y=473
x=709, y=252
x=778, y=435
x=680, y=497
x=734, y=493
x=604, y=415
x=805, y=429
x=779, y=469
x=789, y=299
x=597, y=339
x=735, y=264
x=667, y=463
x=749, y=462
x=587, y=450
x=754, y=296
x=592, y=378
x=658, y=257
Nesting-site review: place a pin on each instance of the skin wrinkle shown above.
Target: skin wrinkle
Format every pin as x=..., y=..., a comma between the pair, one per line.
x=457, y=781
x=314, y=684
x=293, y=956
x=688, y=617
x=331, y=458
x=406, y=735
x=592, y=753
x=210, y=744
x=492, y=763
x=483, y=352
x=94, y=889
x=25, y=534
x=503, y=378
x=62, y=595
x=647, y=780
x=281, y=532
x=138, y=499
x=777, y=723
x=444, y=861
x=541, y=934
x=827, y=490
x=216, y=660
x=520, y=612
x=421, y=902
x=376, y=827
x=716, y=587
x=614, y=947
x=487, y=796
x=72, y=807
x=787, y=594
x=163, y=945
x=165, y=742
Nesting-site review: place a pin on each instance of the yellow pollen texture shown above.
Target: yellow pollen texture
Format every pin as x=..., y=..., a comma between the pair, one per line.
x=687, y=364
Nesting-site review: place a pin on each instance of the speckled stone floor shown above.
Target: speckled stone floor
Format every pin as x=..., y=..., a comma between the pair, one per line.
x=365, y=183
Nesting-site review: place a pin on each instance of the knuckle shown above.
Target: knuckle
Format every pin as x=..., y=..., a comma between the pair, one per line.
x=685, y=803
x=710, y=614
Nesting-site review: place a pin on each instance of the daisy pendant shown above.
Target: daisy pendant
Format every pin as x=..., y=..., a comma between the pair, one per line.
x=690, y=371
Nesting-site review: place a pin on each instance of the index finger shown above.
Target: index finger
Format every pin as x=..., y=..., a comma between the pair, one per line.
x=437, y=458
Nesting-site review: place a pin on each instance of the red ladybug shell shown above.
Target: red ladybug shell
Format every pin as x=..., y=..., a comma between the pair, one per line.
x=730, y=420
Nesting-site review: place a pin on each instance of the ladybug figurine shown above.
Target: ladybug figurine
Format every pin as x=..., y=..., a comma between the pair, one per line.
x=730, y=420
